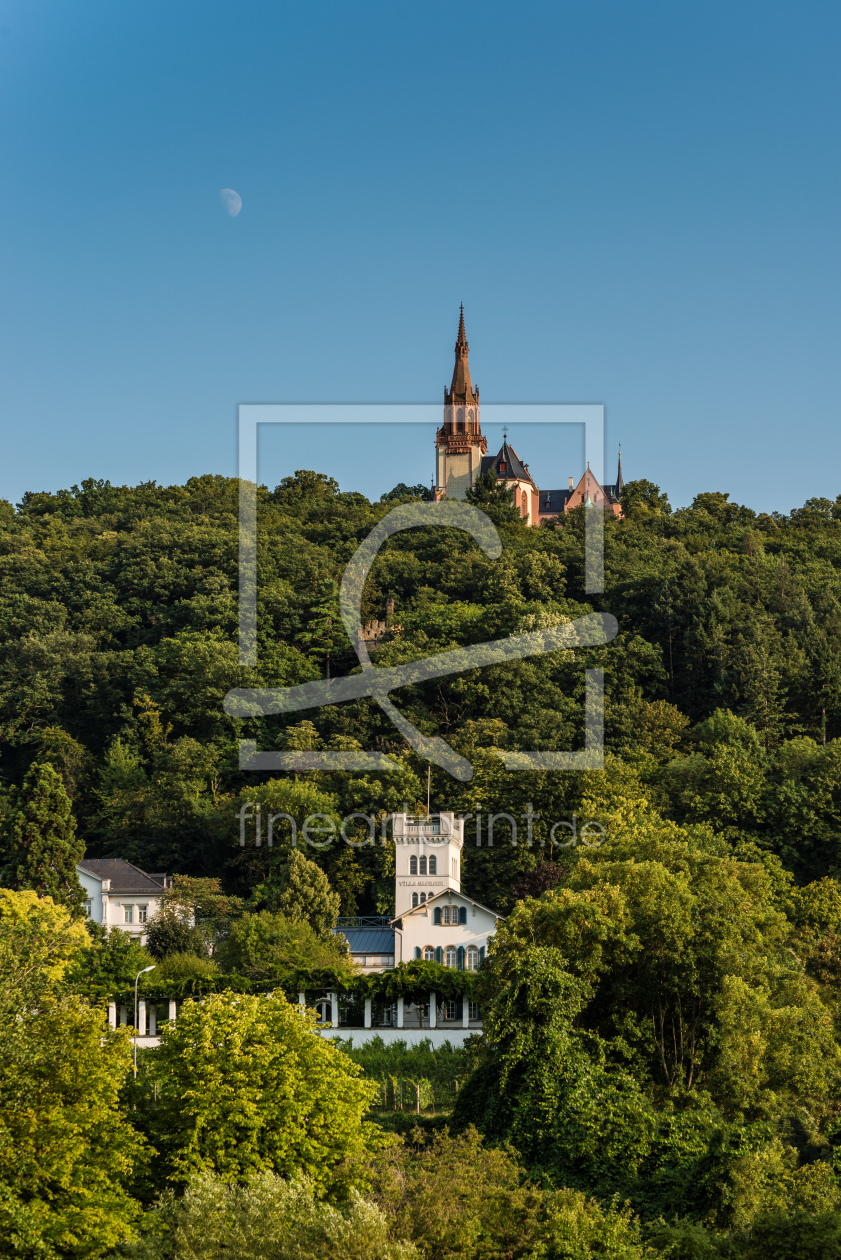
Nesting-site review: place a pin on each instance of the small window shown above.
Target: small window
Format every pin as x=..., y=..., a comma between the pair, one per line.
x=445, y=915
x=450, y=1011
x=141, y=913
x=128, y=914
x=89, y=908
x=414, y=899
x=433, y=866
x=473, y=1010
x=455, y=869
x=472, y=958
x=429, y=954
x=450, y=957
x=413, y=865
x=423, y=866
x=423, y=898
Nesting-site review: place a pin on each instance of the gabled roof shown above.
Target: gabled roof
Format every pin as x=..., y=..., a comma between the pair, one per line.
x=124, y=877
x=513, y=470
x=449, y=893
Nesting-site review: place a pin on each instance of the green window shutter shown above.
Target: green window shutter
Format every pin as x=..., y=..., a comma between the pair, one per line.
x=417, y=951
x=481, y=954
x=439, y=953
x=460, y=958
x=436, y=916
x=462, y=914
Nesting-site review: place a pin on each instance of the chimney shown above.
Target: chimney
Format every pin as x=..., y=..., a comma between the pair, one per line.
x=570, y=483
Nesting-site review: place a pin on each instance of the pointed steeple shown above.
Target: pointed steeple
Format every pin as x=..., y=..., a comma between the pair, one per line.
x=461, y=389
x=619, y=482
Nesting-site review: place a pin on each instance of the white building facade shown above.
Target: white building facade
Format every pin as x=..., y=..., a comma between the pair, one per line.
x=434, y=920
x=120, y=895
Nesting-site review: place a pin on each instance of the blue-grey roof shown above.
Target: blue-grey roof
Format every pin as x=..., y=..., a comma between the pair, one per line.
x=368, y=940
x=552, y=500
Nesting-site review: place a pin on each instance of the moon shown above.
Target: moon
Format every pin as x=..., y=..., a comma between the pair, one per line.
x=231, y=201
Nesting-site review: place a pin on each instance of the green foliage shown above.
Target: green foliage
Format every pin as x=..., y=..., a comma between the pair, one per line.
x=265, y=1218
x=64, y=1162
x=457, y=1197
x=301, y=892
x=245, y=1086
x=273, y=947
x=494, y=498
x=112, y=961
x=172, y=930
x=44, y=847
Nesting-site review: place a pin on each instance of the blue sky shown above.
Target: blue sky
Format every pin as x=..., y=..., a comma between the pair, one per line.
x=638, y=205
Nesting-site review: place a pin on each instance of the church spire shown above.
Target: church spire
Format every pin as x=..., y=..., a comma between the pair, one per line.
x=461, y=389
x=619, y=482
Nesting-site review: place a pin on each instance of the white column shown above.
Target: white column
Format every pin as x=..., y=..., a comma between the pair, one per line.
x=465, y=1013
x=367, y=1012
x=112, y=1014
x=173, y=1010
x=433, y=1010
x=140, y=1031
x=334, y=1009
x=400, y=1011
x=302, y=1000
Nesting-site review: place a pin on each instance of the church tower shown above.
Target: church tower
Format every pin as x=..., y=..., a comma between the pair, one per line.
x=459, y=443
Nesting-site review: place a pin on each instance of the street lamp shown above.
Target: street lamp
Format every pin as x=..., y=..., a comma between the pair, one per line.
x=136, y=978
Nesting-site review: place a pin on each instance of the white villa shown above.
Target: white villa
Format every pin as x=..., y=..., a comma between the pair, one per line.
x=121, y=895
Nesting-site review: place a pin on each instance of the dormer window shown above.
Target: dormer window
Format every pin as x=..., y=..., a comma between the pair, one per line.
x=503, y=467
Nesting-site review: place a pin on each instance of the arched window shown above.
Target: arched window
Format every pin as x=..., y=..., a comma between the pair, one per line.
x=423, y=898
x=472, y=958
x=429, y=954
x=470, y=419
x=414, y=899
x=450, y=956
x=433, y=865
x=413, y=865
x=423, y=866
x=525, y=503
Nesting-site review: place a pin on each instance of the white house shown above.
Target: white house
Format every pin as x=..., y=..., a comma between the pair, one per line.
x=434, y=919
x=121, y=895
